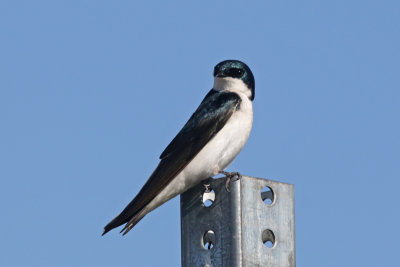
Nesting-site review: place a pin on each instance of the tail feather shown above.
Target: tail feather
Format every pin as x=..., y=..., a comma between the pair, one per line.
x=130, y=221
x=113, y=224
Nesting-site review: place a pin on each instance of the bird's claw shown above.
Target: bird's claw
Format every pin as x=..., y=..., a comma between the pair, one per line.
x=229, y=176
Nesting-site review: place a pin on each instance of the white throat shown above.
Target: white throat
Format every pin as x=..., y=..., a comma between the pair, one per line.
x=232, y=85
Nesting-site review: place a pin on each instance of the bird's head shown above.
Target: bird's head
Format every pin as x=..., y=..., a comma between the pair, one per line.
x=235, y=76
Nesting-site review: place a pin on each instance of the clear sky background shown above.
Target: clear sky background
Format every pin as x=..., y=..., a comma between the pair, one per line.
x=91, y=92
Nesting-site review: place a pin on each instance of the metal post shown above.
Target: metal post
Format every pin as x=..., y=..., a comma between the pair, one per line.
x=243, y=227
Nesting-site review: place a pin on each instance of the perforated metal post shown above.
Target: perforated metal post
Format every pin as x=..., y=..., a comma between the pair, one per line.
x=243, y=227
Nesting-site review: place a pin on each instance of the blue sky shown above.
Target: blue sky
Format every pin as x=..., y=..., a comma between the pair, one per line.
x=91, y=92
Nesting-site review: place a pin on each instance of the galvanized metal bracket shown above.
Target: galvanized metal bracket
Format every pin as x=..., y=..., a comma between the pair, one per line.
x=247, y=226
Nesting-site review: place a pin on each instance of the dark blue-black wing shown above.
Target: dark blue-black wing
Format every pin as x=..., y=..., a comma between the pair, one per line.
x=212, y=114
x=209, y=118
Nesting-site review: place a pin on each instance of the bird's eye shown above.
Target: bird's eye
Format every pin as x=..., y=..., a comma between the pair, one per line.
x=236, y=73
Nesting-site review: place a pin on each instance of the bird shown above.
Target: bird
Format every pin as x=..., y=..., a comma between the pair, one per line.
x=209, y=141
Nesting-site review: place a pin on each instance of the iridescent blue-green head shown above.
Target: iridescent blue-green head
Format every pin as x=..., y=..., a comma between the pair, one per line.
x=234, y=74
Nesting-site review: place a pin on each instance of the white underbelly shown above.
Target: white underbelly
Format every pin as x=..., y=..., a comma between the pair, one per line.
x=214, y=157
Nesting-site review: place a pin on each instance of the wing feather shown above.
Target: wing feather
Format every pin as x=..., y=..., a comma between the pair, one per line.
x=209, y=118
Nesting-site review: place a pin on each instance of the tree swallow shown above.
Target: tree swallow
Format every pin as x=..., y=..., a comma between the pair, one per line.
x=206, y=145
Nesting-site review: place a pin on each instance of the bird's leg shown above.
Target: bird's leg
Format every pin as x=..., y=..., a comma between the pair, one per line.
x=229, y=176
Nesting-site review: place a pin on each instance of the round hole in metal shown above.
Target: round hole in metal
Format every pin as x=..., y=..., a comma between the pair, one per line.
x=268, y=238
x=267, y=195
x=209, y=239
x=208, y=198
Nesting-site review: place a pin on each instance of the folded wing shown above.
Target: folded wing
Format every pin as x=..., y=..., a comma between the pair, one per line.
x=209, y=118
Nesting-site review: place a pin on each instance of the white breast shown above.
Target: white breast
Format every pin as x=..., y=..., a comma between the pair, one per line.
x=225, y=146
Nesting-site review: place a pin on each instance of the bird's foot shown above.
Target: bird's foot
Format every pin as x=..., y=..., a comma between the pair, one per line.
x=229, y=176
